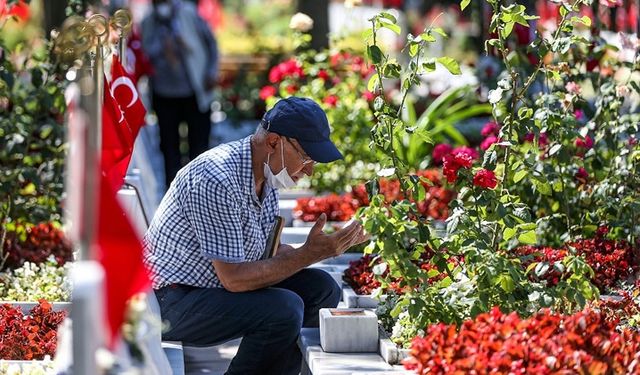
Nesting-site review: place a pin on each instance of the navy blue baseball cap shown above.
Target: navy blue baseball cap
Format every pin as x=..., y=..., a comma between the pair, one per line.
x=303, y=120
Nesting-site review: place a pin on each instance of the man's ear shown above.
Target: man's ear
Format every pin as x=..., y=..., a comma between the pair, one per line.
x=272, y=141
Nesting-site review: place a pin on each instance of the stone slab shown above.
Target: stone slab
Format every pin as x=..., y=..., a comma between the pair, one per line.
x=317, y=362
x=354, y=300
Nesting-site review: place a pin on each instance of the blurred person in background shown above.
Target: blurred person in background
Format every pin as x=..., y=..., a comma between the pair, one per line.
x=184, y=56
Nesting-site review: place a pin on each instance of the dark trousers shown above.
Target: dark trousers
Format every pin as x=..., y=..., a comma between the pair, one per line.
x=268, y=320
x=171, y=112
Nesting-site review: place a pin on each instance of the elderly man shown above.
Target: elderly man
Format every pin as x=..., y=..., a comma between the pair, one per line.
x=206, y=242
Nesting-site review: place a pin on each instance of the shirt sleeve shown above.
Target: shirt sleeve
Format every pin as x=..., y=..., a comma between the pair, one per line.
x=215, y=215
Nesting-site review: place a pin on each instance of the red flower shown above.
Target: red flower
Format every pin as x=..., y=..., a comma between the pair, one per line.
x=439, y=152
x=472, y=153
x=331, y=100
x=490, y=128
x=267, y=92
x=582, y=175
x=485, y=179
x=323, y=74
x=587, y=142
x=289, y=68
x=291, y=89
x=488, y=142
x=452, y=163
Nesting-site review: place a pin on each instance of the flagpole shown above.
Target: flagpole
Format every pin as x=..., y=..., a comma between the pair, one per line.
x=74, y=44
x=122, y=22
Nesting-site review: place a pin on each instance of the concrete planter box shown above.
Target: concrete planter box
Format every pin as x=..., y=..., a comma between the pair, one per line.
x=45, y=366
x=353, y=300
x=28, y=305
x=348, y=331
x=390, y=351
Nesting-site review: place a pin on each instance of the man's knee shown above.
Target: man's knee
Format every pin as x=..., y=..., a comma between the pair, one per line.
x=287, y=310
x=330, y=290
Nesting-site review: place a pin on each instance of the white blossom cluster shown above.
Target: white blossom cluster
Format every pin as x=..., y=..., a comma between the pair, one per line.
x=34, y=368
x=33, y=282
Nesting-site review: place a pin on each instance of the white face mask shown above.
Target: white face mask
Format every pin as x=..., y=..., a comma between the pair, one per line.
x=164, y=10
x=282, y=180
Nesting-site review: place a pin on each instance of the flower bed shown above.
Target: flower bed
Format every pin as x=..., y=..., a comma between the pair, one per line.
x=343, y=207
x=33, y=282
x=546, y=343
x=364, y=278
x=612, y=261
x=35, y=244
x=29, y=336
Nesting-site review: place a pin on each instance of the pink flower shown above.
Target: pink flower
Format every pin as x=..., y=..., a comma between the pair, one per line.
x=573, y=88
x=587, y=142
x=543, y=140
x=368, y=95
x=485, y=179
x=582, y=175
x=331, y=100
x=439, y=152
x=611, y=3
x=490, y=128
x=452, y=163
x=579, y=114
x=488, y=142
x=472, y=153
x=289, y=68
x=267, y=92
x=633, y=141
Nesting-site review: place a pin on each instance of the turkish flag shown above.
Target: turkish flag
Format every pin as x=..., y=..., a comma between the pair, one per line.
x=117, y=140
x=121, y=254
x=124, y=91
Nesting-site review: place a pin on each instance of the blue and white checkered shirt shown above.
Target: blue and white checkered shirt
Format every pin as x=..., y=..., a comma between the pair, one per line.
x=210, y=212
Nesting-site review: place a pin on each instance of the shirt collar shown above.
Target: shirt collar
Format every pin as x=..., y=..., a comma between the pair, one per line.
x=248, y=180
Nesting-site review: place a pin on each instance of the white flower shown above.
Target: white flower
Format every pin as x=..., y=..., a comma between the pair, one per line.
x=495, y=96
x=301, y=22
x=622, y=91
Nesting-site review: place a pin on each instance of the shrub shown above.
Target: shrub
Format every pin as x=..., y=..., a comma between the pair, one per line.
x=29, y=336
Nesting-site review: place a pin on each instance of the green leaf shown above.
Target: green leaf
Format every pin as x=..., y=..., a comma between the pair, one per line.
x=541, y=269
x=554, y=149
x=519, y=175
x=451, y=64
x=368, y=33
x=393, y=27
x=439, y=30
x=373, y=82
x=429, y=66
x=543, y=187
x=528, y=237
x=506, y=283
x=427, y=37
x=375, y=54
x=464, y=4
x=509, y=233
x=508, y=28
x=388, y=16
x=413, y=49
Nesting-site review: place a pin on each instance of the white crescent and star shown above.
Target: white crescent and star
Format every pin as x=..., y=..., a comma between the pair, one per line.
x=126, y=81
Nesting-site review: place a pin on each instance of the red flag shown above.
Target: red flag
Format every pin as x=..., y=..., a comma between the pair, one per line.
x=117, y=140
x=126, y=94
x=121, y=255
